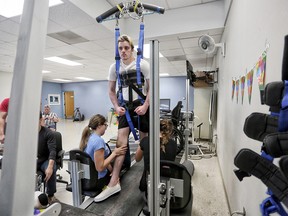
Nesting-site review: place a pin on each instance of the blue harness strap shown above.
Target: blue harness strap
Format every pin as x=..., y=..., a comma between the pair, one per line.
x=283, y=116
x=117, y=65
x=139, y=57
x=138, y=68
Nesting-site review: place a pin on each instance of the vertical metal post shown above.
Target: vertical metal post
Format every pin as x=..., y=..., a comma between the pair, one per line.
x=76, y=183
x=187, y=130
x=17, y=183
x=154, y=139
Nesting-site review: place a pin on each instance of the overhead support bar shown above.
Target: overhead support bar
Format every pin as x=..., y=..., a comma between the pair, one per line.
x=136, y=7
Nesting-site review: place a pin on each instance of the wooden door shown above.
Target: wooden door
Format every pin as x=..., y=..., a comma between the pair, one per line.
x=69, y=104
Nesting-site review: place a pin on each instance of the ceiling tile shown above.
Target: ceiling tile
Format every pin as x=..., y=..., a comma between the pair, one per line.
x=93, y=32
x=54, y=27
x=7, y=37
x=69, y=16
x=2, y=18
x=182, y=3
x=172, y=52
x=189, y=42
x=193, y=51
x=172, y=44
x=51, y=42
x=10, y=27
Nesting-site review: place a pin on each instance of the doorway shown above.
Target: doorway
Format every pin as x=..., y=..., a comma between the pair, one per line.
x=69, y=104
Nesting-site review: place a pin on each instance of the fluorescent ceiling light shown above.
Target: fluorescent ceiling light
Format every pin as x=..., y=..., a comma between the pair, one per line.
x=164, y=74
x=45, y=71
x=146, y=49
x=11, y=8
x=63, y=80
x=83, y=78
x=63, y=61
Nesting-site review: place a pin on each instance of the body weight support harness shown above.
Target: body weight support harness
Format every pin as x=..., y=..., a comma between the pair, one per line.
x=137, y=89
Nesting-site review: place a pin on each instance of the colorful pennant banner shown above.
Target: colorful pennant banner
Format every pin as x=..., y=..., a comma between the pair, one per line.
x=242, y=80
x=249, y=79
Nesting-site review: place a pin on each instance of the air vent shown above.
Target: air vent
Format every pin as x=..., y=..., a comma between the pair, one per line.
x=176, y=58
x=68, y=37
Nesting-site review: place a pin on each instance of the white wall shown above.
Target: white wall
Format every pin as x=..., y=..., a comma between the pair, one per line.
x=201, y=111
x=250, y=25
x=5, y=85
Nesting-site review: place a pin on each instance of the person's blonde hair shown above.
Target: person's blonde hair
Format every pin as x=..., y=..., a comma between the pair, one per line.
x=124, y=38
x=94, y=122
x=166, y=129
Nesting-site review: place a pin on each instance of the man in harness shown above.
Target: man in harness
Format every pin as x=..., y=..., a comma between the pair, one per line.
x=134, y=99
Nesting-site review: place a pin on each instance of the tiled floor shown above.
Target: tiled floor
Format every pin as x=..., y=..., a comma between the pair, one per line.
x=208, y=193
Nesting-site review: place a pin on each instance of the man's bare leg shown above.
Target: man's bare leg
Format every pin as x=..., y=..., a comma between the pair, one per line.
x=122, y=139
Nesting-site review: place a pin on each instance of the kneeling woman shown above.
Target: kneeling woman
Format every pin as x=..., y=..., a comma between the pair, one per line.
x=168, y=149
x=93, y=144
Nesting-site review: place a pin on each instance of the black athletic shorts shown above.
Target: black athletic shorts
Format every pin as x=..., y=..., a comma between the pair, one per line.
x=143, y=119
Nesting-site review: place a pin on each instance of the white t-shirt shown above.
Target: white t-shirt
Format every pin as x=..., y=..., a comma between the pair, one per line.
x=130, y=71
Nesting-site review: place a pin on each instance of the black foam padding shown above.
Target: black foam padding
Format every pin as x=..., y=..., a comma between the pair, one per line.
x=285, y=60
x=283, y=163
x=171, y=169
x=265, y=170
x=84, y=158
x=273, y=94
x=108, y=13
x=154, y=8
x=189, y=166
x=259, y=125
x=276, y=144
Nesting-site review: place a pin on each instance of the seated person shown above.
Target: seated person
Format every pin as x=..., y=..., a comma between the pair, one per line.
x=50, y=118
x=3, y=116
x=168, y=149
x=93, y=144
x=46, y=156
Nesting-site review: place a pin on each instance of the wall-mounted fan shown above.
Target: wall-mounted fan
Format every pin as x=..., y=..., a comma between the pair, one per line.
x=208, y=45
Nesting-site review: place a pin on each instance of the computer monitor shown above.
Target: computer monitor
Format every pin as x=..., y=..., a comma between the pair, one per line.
x=164, y=105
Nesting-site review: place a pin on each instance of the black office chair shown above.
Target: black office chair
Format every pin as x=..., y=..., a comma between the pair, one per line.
x=176, y=114
x=60, y=156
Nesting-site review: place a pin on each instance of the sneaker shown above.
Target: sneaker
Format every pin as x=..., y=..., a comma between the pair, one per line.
x=52, y=200
x=107, y=192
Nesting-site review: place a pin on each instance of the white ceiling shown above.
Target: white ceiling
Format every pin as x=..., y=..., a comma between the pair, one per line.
x=177, y=30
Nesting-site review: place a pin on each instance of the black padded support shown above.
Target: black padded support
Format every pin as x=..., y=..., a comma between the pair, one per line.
x=285, y=59
x=84, y=158
x=170, y=169
x=276, y=144
x=258, y=125
x=250, y=162
x=273, y=94
x=283, y=163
